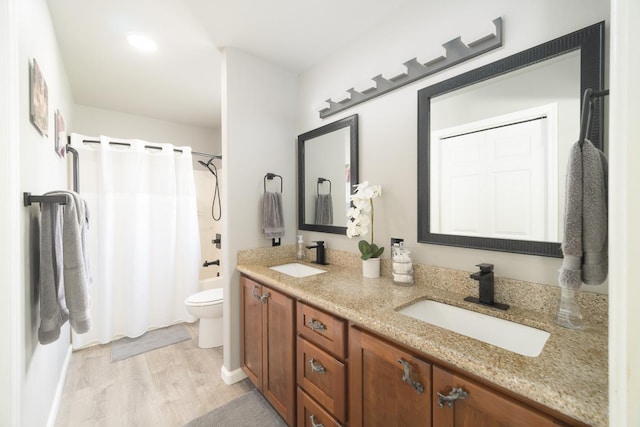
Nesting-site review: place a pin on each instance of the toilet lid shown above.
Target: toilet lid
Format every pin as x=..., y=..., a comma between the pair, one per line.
x=208, y=296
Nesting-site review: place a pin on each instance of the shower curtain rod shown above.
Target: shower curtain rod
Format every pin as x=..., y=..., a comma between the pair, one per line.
x=195, y=153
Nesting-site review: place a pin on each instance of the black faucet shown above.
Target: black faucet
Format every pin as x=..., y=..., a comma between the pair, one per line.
x=208, y=263
x=319, y=247
x=485, y=279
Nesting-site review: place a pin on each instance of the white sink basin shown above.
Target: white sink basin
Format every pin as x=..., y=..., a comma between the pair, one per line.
x=511, y=336
x=295, y=269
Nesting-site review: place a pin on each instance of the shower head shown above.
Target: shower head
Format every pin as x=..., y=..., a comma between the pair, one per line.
x=203, y=163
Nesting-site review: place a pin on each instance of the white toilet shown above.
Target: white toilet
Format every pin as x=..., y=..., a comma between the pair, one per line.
x=207, y=305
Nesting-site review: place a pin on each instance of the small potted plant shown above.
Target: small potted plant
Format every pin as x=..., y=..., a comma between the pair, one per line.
x=361, y=216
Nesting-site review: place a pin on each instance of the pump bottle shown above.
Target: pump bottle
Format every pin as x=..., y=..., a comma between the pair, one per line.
x=300, y=253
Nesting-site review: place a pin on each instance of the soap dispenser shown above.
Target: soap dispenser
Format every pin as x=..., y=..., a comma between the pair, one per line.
x=300, y=253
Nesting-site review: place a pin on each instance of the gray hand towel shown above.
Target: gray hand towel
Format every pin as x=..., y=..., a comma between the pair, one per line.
x=64, y=269
x=324, y=209
x=584, y=245
x=53, y=312
x=272, y=215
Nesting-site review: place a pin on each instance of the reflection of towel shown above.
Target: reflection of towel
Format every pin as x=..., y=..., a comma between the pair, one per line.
x=64, y=267
x=585, y=221
x=324, y=209
x=272, y=217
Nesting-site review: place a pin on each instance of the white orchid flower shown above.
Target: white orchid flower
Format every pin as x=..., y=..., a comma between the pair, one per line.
x=361, y=215
x=361, y=186
x=368, y=193
x=361, y=204
x=364, y=221
x=353, y=230
x=353, y=212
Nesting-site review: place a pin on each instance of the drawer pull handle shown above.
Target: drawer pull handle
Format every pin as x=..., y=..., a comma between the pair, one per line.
x=254, y=292
x=317, y=367
x=456, y=393
x=263, y=298
x=314, y=423
x=407, y=376
x=316, y=325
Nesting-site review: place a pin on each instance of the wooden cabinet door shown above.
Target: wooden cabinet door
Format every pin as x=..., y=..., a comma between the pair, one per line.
x=251, y=330
x=482, y=407
x=278, y=384
x=380, y=393
x=267, y=347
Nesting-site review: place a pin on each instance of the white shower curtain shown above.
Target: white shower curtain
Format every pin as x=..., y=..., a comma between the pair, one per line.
x=143, y=235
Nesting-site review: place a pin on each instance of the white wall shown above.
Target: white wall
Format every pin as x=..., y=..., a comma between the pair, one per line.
x=41, y=170
x=624, y=205
x=258, y=136
x=388, y=124
x=97, y=121
x=10, y=244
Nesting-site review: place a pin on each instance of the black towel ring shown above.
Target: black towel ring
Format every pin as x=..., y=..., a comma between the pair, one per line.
x=269, y=176
x=320, y=181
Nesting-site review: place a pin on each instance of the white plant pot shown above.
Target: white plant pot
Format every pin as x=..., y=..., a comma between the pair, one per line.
x=371, y=268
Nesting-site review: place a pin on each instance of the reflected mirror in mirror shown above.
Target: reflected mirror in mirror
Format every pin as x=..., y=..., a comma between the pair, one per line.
x=493, y=147
x=327, y=172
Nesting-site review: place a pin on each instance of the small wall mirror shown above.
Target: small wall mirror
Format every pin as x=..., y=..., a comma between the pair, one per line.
x=493, y=146
x=327, y=172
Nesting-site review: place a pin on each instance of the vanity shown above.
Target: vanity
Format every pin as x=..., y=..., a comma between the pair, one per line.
x=339, y=352
x=331, y=348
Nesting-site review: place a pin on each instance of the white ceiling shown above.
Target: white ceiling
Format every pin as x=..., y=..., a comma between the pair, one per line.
x=180, y=82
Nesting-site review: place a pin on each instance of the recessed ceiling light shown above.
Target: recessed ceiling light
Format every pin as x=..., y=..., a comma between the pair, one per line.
x=142, y=43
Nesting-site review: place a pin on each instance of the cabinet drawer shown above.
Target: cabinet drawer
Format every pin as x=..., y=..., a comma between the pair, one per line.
x=310, y=414
x=322, y=329
x=323, y=377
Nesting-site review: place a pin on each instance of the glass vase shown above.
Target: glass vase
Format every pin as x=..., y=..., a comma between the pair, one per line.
x=569, y=314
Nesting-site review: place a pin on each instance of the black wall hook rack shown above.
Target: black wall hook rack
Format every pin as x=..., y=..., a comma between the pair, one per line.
x=588, y=106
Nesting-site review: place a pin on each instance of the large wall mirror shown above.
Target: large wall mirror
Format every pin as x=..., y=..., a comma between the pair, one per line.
x=327, y=172
x=493, y=145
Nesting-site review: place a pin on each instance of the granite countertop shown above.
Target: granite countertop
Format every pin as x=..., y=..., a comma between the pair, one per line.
x=570, y=375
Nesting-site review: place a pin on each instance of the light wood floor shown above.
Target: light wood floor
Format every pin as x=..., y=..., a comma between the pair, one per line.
x=165, y=387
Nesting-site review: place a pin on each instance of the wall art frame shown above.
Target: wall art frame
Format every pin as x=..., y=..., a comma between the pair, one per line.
x=38, y=99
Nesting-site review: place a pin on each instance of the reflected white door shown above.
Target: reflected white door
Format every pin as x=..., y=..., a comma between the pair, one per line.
x=493, y=182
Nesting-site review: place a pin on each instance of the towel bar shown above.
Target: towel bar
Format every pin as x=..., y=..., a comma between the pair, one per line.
x=28, y=199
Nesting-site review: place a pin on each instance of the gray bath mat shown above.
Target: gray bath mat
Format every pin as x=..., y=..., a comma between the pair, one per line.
x=248, y=410
x=151, y=340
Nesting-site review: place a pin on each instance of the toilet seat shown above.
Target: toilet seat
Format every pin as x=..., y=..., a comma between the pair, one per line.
x=208, y=297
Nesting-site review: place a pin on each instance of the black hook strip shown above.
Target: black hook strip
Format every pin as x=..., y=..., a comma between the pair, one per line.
x=587, y=111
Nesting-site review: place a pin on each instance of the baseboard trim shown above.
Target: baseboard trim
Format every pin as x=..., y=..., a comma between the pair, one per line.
x=232, y=377
x=55, y=405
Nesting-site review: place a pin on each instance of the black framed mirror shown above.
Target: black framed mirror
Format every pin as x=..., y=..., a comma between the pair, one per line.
x=327, y=172
x=541, y=89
